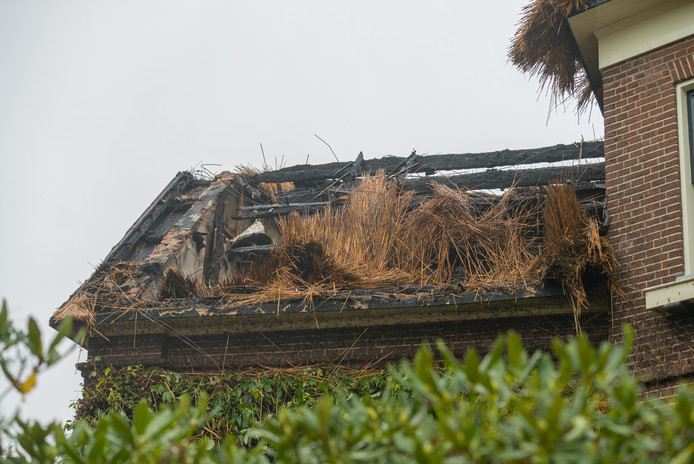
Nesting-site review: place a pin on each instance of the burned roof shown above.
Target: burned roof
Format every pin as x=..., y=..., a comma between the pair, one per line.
x=397, y=232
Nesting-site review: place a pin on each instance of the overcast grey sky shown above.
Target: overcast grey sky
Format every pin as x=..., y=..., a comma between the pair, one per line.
x=101, y=103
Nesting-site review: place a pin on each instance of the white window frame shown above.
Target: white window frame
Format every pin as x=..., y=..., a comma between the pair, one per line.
x=685, y=122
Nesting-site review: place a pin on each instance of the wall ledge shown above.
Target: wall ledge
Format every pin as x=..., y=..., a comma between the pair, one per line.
x=679, y=291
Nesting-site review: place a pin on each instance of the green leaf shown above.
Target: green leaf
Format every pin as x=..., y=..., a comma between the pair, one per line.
x=142, y=417
x=34, y=339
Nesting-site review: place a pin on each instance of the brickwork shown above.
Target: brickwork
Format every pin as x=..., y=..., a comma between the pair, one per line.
x=644, y=200
x=358, y=346
x=667, y=390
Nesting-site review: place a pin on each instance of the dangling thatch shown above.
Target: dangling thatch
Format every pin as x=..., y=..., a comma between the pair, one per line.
x=573, y=247
x=544, y=47
x=175, y=285
x=80, y=308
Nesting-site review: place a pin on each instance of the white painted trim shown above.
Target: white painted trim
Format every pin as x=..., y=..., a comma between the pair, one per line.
x=687, y=188
x=625, y=39
x=673, y=292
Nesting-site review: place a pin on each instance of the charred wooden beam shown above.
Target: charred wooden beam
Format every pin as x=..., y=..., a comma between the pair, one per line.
x=502, y=179
x=256, y=250
x=589, y=192
x=429, y=164
x=265, y=211
x=275, y=206
x=515, y=157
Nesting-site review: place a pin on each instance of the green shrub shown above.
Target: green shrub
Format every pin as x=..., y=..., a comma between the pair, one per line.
x=237, y=401
x=577, y=404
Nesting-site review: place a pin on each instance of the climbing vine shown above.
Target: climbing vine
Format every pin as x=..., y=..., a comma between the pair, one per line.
x=237, y=400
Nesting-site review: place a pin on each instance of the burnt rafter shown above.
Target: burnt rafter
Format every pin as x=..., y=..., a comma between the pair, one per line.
x=584, y=191
x=302, y=175
x=505, y=178
x=588, y=177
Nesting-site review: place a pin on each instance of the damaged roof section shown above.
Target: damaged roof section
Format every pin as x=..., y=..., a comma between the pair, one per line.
x=459, y=224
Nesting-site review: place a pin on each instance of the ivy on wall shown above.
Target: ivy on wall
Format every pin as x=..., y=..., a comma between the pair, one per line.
x=237, y=400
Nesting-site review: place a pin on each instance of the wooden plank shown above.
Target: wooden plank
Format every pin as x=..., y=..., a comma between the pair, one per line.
x=584, y=191
x=281, y=211
x=491, y=179
x=431, y=163
x=515, y=157
x=501, y=179
x=275, y=206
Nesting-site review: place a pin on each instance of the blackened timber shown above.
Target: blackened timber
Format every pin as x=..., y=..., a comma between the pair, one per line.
x=502, y=179
x=587, y=192
x=214, y=252
x=302, y=174
x=491, y=179
x=257, y=250
x=515, y=157
x=283, y=210
x=353, y=302
x=303, y=194
x=275, y=206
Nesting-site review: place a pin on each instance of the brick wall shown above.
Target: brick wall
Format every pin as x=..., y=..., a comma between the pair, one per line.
x=355, y=346
x=667, y=390
x=643, y=191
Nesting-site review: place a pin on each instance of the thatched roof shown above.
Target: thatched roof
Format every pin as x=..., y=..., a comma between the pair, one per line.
x=337, y=233
x=544, y=46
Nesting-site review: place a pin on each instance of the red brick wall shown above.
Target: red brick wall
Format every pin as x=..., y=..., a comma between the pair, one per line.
x=643, y=191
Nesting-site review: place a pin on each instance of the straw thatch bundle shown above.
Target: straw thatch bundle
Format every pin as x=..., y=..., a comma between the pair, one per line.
x=119, y=286
x=379, y=240
x=175, y=285
x=573, y=247
x=544, y=47
x=80, y=308
x=348, y=248
x=486, y=248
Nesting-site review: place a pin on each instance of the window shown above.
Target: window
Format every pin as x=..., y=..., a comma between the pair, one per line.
x=685, y=109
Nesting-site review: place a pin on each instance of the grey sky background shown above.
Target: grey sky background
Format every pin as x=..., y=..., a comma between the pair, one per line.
x=101, y=103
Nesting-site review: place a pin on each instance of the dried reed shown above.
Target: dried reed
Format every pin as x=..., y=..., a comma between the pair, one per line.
x=544, y=46
x=175, y=285
x=271, y=188
x=486, y=248
x=378, y=240
x=573, y=246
